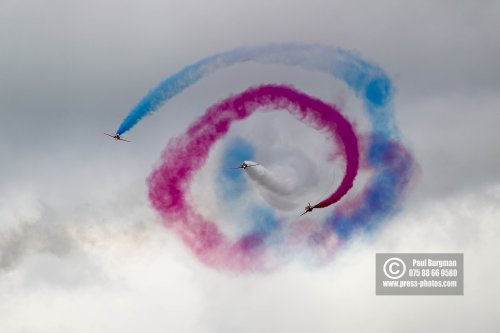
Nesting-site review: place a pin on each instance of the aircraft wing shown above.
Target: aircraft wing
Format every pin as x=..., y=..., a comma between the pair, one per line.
x=124, y=140
x=109, y=135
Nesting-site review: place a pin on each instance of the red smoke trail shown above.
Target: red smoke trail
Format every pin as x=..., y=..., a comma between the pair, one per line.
x=187, y=153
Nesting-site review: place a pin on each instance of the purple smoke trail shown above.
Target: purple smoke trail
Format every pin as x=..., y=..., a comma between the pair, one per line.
x=184, y=155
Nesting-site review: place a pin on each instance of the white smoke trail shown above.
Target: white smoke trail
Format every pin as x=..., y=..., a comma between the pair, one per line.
x=285, y=183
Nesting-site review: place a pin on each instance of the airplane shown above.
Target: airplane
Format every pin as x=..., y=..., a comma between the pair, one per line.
x=244, y=165
x=116, y=137
x=307, y=209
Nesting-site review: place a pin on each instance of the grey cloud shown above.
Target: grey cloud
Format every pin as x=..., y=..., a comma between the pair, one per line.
x=32, y=238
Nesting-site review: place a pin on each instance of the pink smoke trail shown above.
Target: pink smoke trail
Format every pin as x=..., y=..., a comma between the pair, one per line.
x=169, y=182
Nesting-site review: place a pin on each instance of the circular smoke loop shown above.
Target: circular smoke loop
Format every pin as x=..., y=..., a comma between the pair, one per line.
x=272, y=238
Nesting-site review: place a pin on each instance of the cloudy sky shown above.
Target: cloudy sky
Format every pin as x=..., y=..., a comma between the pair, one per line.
x=82, y=250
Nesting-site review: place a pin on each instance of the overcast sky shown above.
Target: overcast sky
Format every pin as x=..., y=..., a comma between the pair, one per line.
x=80, y=248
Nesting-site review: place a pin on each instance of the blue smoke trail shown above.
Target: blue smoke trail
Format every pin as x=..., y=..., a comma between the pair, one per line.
x=367, y=80
x=395, y=167
x=231, y=183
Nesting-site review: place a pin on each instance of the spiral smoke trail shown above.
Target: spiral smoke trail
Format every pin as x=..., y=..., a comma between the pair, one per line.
x=273, y=239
